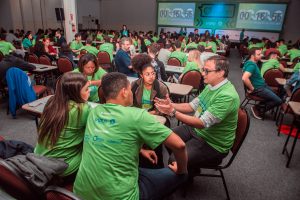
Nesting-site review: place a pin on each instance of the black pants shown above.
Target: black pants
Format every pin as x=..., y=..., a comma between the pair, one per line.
x=199, y=152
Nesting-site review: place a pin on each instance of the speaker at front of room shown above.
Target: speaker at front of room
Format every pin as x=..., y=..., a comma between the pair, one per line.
x=60, y=16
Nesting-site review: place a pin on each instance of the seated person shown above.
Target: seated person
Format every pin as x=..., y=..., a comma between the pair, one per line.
x=210, y=44
x=27, y=41
x=282, y=48
x=114, y=136
x=62, y=125
x=293, y=82
x=271, y=63
x=123, y=60
x=14, y=60
x=193, y=62
x=164, y=53
x=256, y=84
x=210, y=133
x=159, y=66
x=294, y=52
x=88, y=66
x=5, y=47
x=181, y=56
x=49, y=48
x=108, y=47
x=99, y=36
x=89, y=48
x=65, y=51
x=76, y=44
x=59, y=38
x=147, y=87
x=39, y=50
x=192, y=44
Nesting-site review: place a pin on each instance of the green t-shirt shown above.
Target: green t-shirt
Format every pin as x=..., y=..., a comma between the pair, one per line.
x=109, y=48
x=90, y=49
x=191, y=45
x=190, y=66
x=146, y=100
x=180, y=56
x=283, y=49
x=222, y=103
x=113, y=138
x=269, y=64
x=76, y=45
x=26, y=43
x=214, y=46
x=155, y=39
x=297, y=67
x=5, y=47
x=93, y=88
x=99, y=37
x=203, y=44
x=260, y=45
x=256, y=79
x=147, y=42
x=69, y=143
x=294, y=53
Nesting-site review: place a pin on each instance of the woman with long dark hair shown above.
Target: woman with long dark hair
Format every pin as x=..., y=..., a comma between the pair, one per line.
x=62, y=125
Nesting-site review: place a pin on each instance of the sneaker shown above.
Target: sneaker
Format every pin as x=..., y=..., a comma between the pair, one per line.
x=255, y=113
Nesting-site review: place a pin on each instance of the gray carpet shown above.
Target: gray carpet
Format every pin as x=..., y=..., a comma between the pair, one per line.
x=258, y=171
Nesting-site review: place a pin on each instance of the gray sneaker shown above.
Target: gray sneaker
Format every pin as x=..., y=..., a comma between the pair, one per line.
x=255, y=113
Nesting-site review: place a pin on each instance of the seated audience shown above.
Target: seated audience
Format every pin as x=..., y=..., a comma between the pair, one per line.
x=88, y=66
x=14, y=60
x=89, y=48
x=210, y=133
x=193, y=62
x=123, y=60
x=113, y=138
x=10, y=37
x=294, y=52
x=108, y=47
x=49, y=48
x=76, y=44
x=256, y=84
x=159, y=66
x=39, y=50
x=181, y=56
x=59, y=38
x=282, y=47
x=62, y=125
x=293, y=83
x=271, y=63
x=164, y=53
x=65, y=51
x=27, y=40
x=5, y=47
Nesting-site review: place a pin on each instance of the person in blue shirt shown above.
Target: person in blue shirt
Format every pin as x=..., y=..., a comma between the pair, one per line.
x=293, y=81
x=123, y=60
x=124, y=32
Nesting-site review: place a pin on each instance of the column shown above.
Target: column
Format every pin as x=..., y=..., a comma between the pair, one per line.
x=71, y=23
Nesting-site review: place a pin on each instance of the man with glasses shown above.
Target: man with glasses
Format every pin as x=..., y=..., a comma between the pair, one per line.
x=210, y=133
x=256, y=85
x=123, y=60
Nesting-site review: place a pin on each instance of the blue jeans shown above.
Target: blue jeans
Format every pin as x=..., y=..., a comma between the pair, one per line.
x=158, y=183
x=271, y=99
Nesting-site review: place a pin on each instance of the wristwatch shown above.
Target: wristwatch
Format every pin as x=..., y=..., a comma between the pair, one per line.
x=172, y=114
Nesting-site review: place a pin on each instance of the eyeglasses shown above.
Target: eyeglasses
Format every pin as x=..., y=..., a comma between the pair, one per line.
x=206, y=71
x=149, y=74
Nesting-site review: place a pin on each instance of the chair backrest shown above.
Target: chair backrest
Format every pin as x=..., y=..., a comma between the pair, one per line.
x=45, y=60
x=174, y=62
x=58, y=193
x=296, y=95
x=13, y=184
x=270, y=76
x=241, y=132
x=101, y=95
x=64, y=65
x=103, y=58
x=1, y=56
x=32, y=58
x=192, y=78
x=296, y=60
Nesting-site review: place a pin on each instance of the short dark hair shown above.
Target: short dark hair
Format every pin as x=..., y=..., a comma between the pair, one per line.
x=154, y=48
x=89, y=41
x=112, y=83
x=253, y=50
x=201, y=48
x=77, y=35
x=221, y=62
